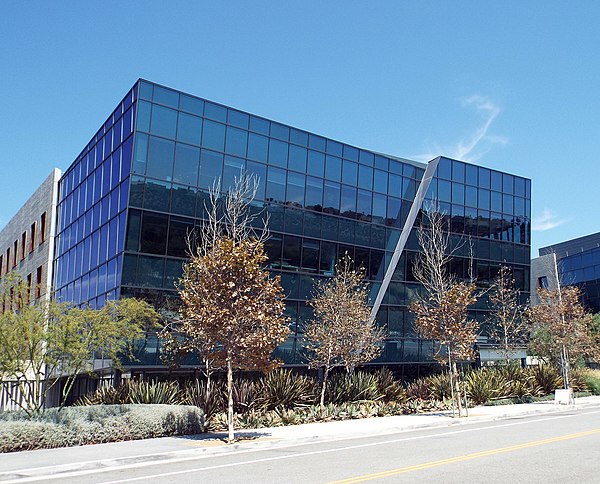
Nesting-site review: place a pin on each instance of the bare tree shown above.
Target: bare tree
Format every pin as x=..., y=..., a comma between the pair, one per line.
x=509, y=329
x=442, y=313
x=232, y=314
x=342, y=333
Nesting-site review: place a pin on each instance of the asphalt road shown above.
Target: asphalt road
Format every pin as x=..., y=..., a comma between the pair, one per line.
x=562, y=447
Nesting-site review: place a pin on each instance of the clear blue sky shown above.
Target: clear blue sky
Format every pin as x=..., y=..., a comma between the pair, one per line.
x=510, y=85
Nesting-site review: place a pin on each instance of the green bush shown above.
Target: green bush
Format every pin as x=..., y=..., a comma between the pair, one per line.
x=485, y=385
x=391, y=389
x=547, y=378
x=282, y=388
x=196, y=393
x=438, y=386
x=163, y=393
x=592, y=381
x=353, y=387
x=96, y=424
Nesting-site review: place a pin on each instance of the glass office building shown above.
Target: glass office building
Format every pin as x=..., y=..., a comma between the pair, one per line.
x=578, y=264
x=139, y=187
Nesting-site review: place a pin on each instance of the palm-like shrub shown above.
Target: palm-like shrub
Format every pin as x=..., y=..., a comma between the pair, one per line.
x=547, y=378
x=485, y=385
x=166, y=393
x=353, y=387
x=106, y=396
x=282, y=388
x=418, y=389
x=245, y=395
x=210, y=400
x=592, y=380
x=438, y=386
x=391, y=389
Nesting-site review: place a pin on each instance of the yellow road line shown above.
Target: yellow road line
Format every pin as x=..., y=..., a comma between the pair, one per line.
x=461, y=458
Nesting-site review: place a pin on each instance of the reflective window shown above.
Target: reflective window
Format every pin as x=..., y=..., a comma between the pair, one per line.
x=236, y=118
x=213, y=135
x=189, y=128
x=278, y=151
x=350, y=153
x=260, y=171
x=333, y=168
x=314, y=193
x=236, y=141
x=458, y=171
x=496, y=204
x=316, y=163
x=507, y=204
x=183, y=200
x=153, y=233
x=299, y=137
x=316, y=142
x=484, y=199
x=211, y=164
x=458, y=193
x=484, y=178
x=164, y=121
x=187, y=161
x=232, y=169
x=191, y=104
x=471, y=196
x=334, y=148
x=297, y=160
x=496, y=181
x=160, y=158
x=157, y=195
x=166, y=96
x=380, y=181
x=258, y=147
x=280, y=132
x=275, y=184
x=381, y=162
x=364, y=206
x=350, y=173
x=395, y=185
x=444, y=191
x=366, y=158
x=149, y=271
x=471, y=175
x=331, y=197
x=143, y=119
x=348, y=203
x=444, y=169
x=214, y=111
x=259, y=125
x=379, y=207
x=295, y=188
x=365, y=177
x=520, y=186
x=179, y=230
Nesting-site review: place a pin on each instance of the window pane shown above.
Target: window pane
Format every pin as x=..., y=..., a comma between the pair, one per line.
x=143, y=119
x=164, y=121
x=365, y=177
x=314, y=193
x=187, y=161
x=258, y=147
x=278, y=151
x=213, y=135
x=348, y=204
x=364, y=204
x=331, y=197
x=141, y=153
x=259, y=125
x=297, y=159
x=189, y=128
x=157, y=195
x=191, y=104
x=211, y=164
x=160, y=158
x=295, y=189
x=214, y=111
x=333, y=168
x=236, y=118
x=316, y=163
x=179, y=230
x=275, y=184
x=232, y=169
x=299, y=137
x=260, y=171
x=350, y=173
x=380, y=181
x=236, y=141
x=183, y=200
x=166, y=96
x=154, y=233
x=279, y=131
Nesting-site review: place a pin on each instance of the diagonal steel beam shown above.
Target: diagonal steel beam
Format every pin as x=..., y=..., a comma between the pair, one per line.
x=408, y=225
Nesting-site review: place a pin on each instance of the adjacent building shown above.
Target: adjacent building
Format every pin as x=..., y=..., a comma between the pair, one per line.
x=139, y=186
x=575, y=262
x=27, y=250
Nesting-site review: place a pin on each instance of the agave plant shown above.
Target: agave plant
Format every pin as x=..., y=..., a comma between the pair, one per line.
x=485, y=385
x=354, y=387
x=438, y=386
x=418, y=389
x=155, y=392
x=282, y=388
x=245, y=395
x=210, y=400
x=547, y=378
x=391, y=389
x=106, y=396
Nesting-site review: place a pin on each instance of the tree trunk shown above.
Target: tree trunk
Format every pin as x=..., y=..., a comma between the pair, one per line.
x=230, y=435
x=458, y=392
x=325, y=373
x=451, y=381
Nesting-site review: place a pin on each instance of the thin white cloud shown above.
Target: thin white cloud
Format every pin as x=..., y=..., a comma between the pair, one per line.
x=547, y=221
x=479, y=141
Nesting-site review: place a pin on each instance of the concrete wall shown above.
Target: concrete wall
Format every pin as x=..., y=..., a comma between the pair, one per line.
x=542, y=266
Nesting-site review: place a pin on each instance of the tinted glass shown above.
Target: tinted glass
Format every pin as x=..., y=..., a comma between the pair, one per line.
x=164, y=121
x=160, y=158
x=213, y=135
x=297, y=160
x=278, y=151
x=187, y=161
x=189, y=128
x=236, y=141
x=258, y=147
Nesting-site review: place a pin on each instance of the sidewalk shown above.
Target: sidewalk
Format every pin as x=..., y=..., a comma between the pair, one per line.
x=53, y=462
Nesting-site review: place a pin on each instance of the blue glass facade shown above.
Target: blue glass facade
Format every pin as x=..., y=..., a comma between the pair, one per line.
x=324, y=198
